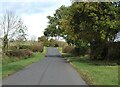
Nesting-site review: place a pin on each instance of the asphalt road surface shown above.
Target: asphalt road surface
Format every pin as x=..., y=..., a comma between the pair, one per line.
x=52, y=70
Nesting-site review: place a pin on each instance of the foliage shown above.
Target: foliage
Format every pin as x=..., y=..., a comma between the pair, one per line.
x=12, y=27
x=51, y=42
x=86, y=25
x=25, y=47
x=44, y=40
x=6, y=60
x=12, y=47
x=114, y=51
x=80, y=51
x=15, y=47
x=21, y=53
x=37, y=47
x=56, y=45
x=68, y=49
x=61, y=43
x=11, y=67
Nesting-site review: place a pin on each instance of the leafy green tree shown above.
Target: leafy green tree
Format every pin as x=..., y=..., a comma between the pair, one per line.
x=87, y=23
x=44, y=40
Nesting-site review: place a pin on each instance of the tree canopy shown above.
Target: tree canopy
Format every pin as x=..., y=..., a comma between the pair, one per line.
x=86, y=23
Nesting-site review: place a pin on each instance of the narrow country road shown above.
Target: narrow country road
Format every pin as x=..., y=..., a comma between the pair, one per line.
x=52, y=70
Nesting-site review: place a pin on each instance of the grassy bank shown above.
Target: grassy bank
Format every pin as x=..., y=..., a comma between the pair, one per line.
x=10, y=68
x=94, y=72
x=0, y=61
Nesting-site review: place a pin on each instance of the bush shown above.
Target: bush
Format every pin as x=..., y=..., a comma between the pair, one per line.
x=61, y=43
x=12, y=47
x=75, y=50
x=114, y=51
x=56, y=45
x=20, y=47
x=21, y=53
x=7, y=60
x=38, y=47
x=25, y=47
x=68, y=49
x=80, y=51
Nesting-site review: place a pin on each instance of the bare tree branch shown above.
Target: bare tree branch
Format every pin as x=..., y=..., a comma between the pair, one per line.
x=10, y=25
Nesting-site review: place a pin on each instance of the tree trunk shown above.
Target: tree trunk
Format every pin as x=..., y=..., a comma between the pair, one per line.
x=99, y=50
x=5, y=44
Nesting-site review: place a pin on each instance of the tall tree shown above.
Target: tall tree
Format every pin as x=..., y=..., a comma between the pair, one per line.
x=11, y=26
x=85, y=23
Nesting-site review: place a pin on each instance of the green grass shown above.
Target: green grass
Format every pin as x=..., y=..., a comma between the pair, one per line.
x=59, y=49
x=0, y=62
x=96, y=72
x=0, y=67
x=10, y=68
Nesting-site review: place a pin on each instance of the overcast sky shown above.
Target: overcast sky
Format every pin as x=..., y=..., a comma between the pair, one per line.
x=33, y=12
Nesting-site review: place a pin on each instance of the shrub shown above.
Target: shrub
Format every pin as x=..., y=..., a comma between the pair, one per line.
x=114, y=51
x=80, y=51
x=61, y=43
x=20, y=47
x=12, y=47
x=56, y=45
x=68, y=49
x=7, y=60
x=38, y=47
x=21, y=53
x=25, y=47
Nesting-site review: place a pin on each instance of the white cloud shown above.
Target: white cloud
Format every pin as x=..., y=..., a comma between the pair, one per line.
x=35, y=1
x=37, y=21
x=19, y=0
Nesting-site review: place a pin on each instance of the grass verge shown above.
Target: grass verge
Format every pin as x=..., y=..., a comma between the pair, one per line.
x=13, y=67
x=59, y=49
x=95, y=73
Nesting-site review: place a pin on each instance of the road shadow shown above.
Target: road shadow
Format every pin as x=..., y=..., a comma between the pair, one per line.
x=53, y=56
